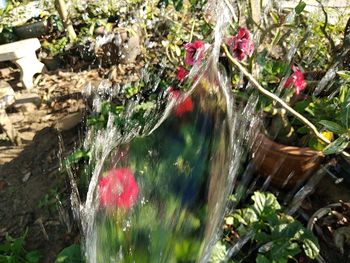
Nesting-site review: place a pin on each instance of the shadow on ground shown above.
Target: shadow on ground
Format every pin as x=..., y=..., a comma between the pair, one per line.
x=31, y=190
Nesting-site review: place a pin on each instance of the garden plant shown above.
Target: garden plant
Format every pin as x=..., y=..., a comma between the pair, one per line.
x=152, y=179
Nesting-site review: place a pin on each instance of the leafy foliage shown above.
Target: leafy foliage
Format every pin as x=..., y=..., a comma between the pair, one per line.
x=71, y=254
x=276, y=237
x=332, y=116
x=13, y=251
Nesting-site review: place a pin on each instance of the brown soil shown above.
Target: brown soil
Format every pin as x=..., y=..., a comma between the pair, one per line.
x=33, y=191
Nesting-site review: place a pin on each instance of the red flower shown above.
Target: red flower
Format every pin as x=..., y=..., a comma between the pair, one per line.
x=118, y=189
x=194, y=52
x=184, y=105
x=181, y=74
x=296, y=80
x=241, y=45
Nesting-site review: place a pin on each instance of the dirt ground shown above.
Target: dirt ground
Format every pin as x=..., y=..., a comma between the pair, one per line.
x=34, y=192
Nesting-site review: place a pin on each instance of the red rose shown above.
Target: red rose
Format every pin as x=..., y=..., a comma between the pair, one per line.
x=296, y=80
x=184, y=105
x=194, y=52
x=181, y=74
x=118, y=189
x=241, y=45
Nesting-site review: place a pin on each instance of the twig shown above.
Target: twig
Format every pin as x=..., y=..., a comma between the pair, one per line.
x=323, y=28
x=274, y=97
x=346, y=41
x=230, y=7
x=185, y=28
x=278, y=100
x=62, y=10
x=192, y=30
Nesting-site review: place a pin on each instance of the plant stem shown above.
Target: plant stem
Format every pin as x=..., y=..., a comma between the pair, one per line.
x=192, y=30
x=277, y=99
x=232, y=10
x=62, y=10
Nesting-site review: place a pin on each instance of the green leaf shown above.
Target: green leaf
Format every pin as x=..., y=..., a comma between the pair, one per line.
x=77, y=155
x=5, y=247
x=344, y=99
x=311, y=248
x=71, y=254
x=315, y=144
x=281, y=249
x=17, y=246
x=218, y=254
x=344, y=94
x=301, y=106
x=178, y=4
x=288, y=229
x=303, y=130
x=275, y=17
x=262, y=259
x=333, y=127
x=245, y=216
x=237, y=217
x=300, y=7
x=33, y=256
x=177, y=50
x=229, y=220
x=264, y=202
x=337, y=146
x=344, y=74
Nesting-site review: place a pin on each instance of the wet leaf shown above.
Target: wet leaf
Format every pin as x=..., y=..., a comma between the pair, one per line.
x=303, y=130
x=264, y=202
x=33, y=256
x=344, y=99
x=177, y=50
x=77, y=156
x=71, y=254
x=229, y=220
x=337, y=146
x=275, y=17
x=319, y=145
x=218, y=254
x=344, y=74
x=332, y=126
x=300, y=106
x=300, y=7
x=310, y=248
x=262, y=259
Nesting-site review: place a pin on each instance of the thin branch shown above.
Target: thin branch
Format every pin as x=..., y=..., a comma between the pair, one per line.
x=274, y=97
x=192, y=30
x=277, y=99
x=323, y=28
x=230, y=7
x=346, y=40
x=62, y=10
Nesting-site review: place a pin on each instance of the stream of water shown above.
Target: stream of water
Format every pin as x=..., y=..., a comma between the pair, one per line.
x=173, y=180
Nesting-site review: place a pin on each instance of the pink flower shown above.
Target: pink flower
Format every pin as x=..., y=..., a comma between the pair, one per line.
x=184, y=105
x=194, y=52
x=118, y=189
x=181, y=74
x=241, y=45
x=296, y=80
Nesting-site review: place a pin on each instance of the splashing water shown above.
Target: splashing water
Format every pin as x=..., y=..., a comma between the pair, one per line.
x=172, y=175
x=184, y=166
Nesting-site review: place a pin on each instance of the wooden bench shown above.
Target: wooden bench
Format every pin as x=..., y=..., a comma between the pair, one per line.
x=23, y=54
